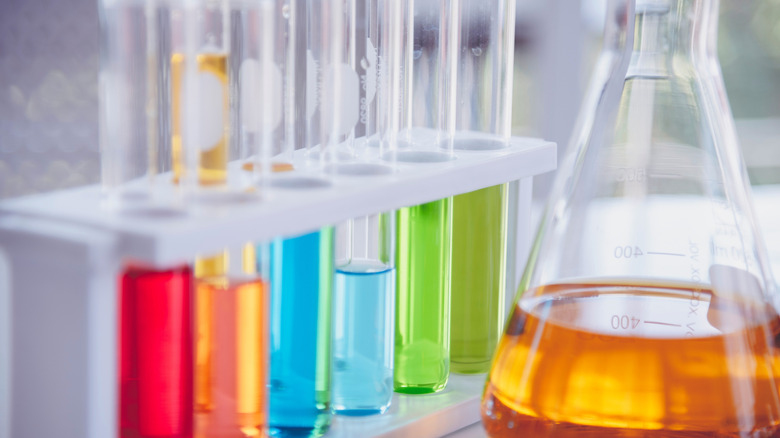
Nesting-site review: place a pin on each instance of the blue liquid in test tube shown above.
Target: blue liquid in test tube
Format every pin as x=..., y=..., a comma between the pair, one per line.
x=363, y=303
x=364, y=291
x=301, y=276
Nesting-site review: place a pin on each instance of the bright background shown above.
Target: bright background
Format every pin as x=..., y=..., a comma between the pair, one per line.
x=49, y=64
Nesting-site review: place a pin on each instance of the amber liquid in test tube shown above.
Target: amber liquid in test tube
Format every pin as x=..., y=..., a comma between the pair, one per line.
x=213, y=80
x=200, y=95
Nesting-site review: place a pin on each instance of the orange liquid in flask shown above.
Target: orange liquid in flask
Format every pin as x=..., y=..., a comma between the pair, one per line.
x=634, y=360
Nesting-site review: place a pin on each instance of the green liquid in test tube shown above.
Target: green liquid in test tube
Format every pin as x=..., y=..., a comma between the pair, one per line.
x=480, y=218
x=423, y=260
x=424, y=232
x=479, y=229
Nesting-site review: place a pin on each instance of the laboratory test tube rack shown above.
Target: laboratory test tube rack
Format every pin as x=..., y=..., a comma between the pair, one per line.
x=61, y=254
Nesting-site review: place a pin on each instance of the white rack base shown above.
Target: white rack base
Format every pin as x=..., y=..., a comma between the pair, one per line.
x=430, y=415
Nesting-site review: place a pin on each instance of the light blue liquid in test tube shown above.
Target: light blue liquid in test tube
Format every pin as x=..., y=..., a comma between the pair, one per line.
x=364, y=317
x=301, y=276
x=364, y=291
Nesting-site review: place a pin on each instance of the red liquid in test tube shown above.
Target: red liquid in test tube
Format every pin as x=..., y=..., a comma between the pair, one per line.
x=156, y=362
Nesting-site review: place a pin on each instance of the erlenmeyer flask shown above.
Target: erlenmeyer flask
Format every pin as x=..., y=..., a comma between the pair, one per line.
x=647, y=307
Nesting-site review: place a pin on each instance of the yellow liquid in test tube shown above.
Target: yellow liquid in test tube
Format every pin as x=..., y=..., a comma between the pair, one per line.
x=251, y=348
x=212, y=168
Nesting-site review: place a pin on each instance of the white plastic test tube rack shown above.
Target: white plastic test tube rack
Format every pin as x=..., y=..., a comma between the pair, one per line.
x=61, y=253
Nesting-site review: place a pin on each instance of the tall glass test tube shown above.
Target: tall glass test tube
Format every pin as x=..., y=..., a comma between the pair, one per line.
x=258, y=46
x=200, y=97
x=423, y=256
x=231, y=307
x=479, y=218
x=133, y=145
x=364, y=290
x=224, y=39
x=155, y=326
x=301, y=267
x=332, y=94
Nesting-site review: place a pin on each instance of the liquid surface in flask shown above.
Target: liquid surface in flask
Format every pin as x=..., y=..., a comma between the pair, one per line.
x=363, y=338
x=633, y=359
x=212, y=115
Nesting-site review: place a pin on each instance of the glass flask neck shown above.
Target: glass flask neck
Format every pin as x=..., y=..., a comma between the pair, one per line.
x=670, y=34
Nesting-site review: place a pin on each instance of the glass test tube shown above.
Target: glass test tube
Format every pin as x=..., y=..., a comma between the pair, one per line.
x=155, y=353
x=199, y=73
x=333, y=84
x=155, y=334
x=364, y=316
x=301, y=277
x=300, y=268
x=423, y=254
x=200, y=95
x=479, y=218
x=258, y=47
x=231, y=316
x=364, y=289
x=132, y=125
x=232, y=308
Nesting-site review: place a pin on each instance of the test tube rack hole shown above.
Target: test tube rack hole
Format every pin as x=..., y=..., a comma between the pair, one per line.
x=295, y=182
x=359, y=169
x=413, y=156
